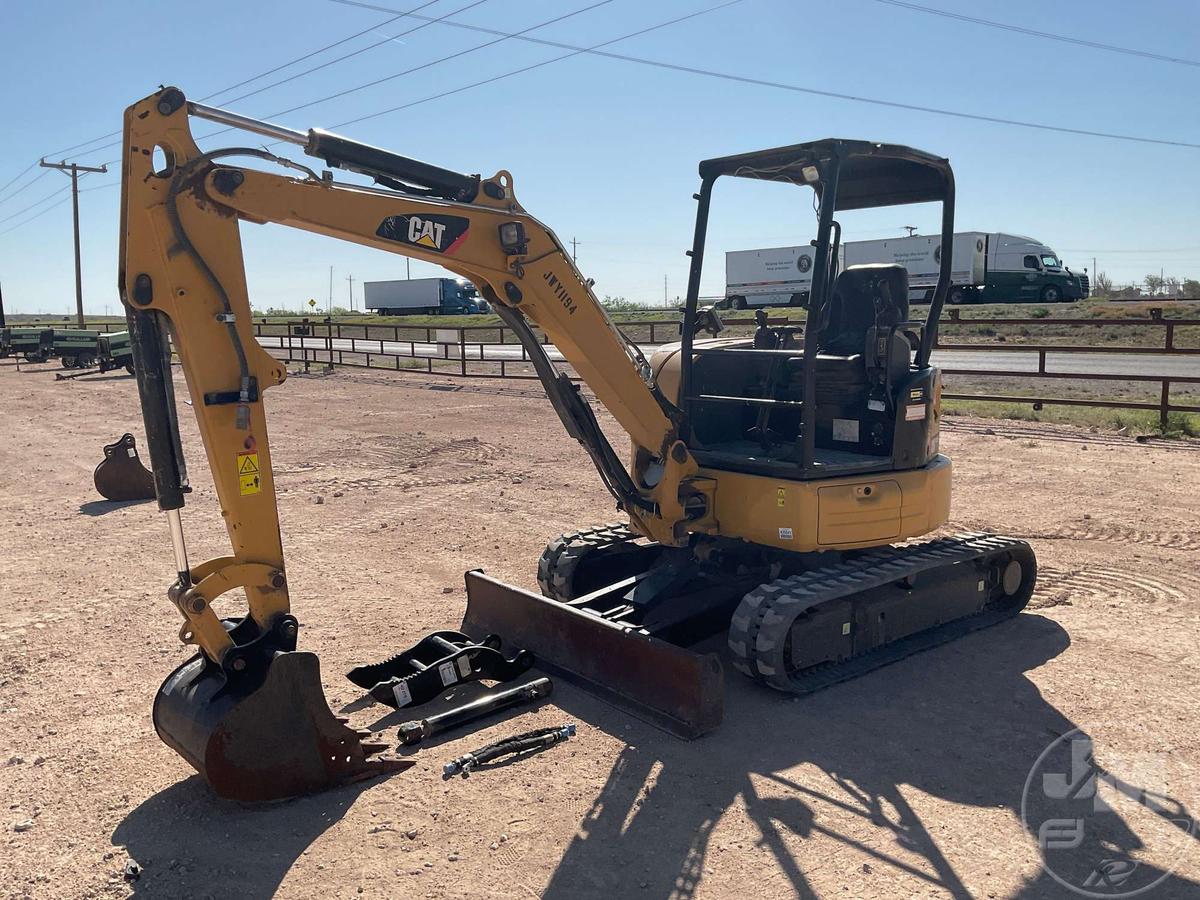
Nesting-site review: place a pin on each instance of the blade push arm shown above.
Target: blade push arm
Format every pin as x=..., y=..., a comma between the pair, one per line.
x=182, y=272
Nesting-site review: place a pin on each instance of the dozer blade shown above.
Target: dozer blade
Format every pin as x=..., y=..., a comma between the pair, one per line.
x=674, y=688
x=121, y=475
x=263, y=738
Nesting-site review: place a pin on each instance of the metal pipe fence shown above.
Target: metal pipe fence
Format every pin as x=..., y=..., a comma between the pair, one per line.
x=492, y=351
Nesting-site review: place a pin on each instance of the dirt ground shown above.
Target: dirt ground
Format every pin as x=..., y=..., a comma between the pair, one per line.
x=907, y=782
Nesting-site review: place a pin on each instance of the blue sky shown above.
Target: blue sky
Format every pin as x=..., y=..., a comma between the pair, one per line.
x=605, y=151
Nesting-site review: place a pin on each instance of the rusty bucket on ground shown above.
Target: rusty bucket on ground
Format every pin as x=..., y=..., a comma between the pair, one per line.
x=266, y=735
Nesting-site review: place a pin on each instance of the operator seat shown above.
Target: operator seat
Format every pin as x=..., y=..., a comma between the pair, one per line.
x=864, y=297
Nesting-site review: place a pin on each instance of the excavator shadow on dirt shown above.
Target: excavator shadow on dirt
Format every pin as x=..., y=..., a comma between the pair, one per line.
x=961, y=723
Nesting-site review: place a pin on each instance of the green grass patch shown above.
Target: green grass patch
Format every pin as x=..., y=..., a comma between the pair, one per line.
x=1128, y=421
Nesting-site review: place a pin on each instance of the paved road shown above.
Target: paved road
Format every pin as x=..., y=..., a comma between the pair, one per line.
x=1009, y=360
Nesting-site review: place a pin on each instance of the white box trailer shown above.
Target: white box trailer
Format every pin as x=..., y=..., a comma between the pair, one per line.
x=419, y=295
x=985, y=266
x=774, y=276
x=922, y=256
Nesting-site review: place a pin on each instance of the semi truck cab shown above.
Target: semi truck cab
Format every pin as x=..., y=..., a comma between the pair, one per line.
x=1022, y=268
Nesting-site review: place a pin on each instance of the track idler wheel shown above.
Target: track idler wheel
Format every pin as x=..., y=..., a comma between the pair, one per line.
x=263, y=736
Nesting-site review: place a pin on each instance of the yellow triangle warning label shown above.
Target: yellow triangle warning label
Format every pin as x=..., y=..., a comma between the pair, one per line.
x=247, y=463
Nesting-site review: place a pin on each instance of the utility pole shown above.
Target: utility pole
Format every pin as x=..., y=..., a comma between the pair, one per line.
x=350, y=278
x=911, y=229
x=329, y=309
x=666, y=302
x=75, y=169
x=574, y=247
x=408, y=268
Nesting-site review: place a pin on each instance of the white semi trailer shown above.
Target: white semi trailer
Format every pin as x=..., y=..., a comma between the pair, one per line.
x=986, y=267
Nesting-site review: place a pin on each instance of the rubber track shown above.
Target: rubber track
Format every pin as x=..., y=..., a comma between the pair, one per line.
x=759, y=627
x=558, y=561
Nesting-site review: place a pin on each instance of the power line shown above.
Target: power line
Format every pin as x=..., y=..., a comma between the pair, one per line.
x=409, y=71
x=460, y=53
x=18, y=176
x=64, y=189
x=574, y=52
x=761, y=82
x=1063, y=38
x=503, y=36
x=310, y=55
x=51, y=196
x=386, y=40
x=232, y=87
x=27, y=184
x=40, y=214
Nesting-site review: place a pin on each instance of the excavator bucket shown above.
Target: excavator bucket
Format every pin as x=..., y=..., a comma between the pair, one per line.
x=121, y=475
x=265, y=737
x=679, y=690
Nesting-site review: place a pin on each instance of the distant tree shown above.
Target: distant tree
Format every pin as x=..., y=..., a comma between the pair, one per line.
x=1171, y=286
x=1103, y=286
x=620, y=304
x=1191, y=289
x=1154, y=284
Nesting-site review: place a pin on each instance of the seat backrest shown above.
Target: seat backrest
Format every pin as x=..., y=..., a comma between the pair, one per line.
x=866, y=296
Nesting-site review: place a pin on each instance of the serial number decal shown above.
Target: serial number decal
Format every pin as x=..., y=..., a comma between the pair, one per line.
x=560, y=291
x=442, y=234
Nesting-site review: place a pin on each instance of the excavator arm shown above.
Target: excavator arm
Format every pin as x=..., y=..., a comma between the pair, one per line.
x=182, y=280
x=182, y=273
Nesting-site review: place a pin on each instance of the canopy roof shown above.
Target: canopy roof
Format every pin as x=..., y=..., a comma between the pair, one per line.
x=871, y=174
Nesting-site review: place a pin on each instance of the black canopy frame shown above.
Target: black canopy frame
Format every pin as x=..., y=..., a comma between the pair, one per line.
x=846, y=175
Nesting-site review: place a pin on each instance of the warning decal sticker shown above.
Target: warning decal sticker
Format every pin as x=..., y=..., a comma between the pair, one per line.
x=249, y=481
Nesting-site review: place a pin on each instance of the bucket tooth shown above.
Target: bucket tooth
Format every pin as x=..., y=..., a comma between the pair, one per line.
x=263, y=738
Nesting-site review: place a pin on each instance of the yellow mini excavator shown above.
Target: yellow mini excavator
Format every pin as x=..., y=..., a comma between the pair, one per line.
x=774, y=484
